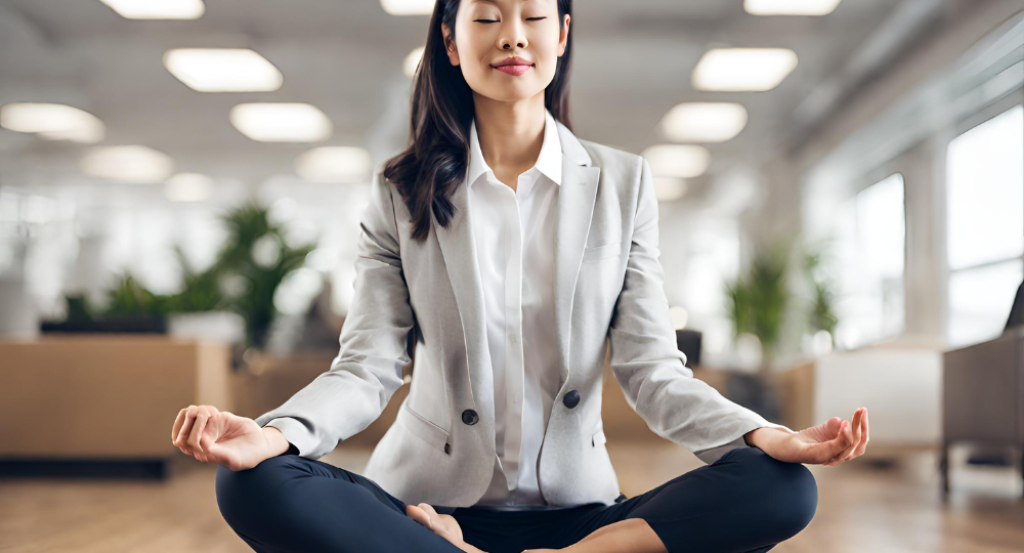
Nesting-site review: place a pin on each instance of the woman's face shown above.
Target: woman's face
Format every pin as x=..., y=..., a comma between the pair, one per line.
x=530, y=29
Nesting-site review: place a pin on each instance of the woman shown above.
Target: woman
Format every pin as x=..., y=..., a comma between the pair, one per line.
x=510, y=251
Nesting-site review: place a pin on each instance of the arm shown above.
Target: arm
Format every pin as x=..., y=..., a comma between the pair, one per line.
x=647, y=362
x=374, y=344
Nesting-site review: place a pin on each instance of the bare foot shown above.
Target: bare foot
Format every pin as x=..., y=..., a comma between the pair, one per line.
x=443, y=525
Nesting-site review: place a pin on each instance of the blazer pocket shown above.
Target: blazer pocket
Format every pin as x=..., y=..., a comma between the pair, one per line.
x=597, y=437
x=427, y=431
x=601, y=252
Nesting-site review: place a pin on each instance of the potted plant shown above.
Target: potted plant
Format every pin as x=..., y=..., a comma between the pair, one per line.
x=233, y=297
x=758, y=302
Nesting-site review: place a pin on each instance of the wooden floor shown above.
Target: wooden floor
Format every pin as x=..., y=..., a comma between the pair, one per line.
x=862, y=508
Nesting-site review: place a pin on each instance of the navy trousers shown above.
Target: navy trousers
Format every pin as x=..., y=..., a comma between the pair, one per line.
x=744, y=502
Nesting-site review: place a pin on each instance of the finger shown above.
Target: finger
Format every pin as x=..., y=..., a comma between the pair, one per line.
x=833, y=426
x=858, y=433
x=856, y=425
x=828, y=450
x=850, y=444
x=186, y=427
x=178, y=421
x=863, y=435
x=195, y=437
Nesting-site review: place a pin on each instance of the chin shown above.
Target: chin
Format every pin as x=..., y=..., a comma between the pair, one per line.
x=505, y=93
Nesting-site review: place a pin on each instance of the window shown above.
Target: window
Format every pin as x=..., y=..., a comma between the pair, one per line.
x=985, y=226
x=870, y=247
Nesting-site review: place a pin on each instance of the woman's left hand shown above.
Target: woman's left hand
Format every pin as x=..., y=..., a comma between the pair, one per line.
x=830, y=443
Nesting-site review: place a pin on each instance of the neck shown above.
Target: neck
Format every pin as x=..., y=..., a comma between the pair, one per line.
x=511, y=133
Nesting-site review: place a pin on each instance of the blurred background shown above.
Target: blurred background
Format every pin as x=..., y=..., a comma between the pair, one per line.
x=841, y=189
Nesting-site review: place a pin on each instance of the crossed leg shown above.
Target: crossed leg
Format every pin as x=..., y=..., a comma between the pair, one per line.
x=746, y=502
x=290, y=504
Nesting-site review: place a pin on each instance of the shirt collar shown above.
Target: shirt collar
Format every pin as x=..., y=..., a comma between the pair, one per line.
x=549, y=162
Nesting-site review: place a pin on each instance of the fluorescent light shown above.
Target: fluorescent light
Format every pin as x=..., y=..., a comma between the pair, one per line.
x=333, y=164
x=683, y=161
x=188, y=187
x=790, y=7
x=52, y=121
x=157, y=9
x=703, y=122
x=412, y=61
x=127, y=163
x=281, y=122
x=408, y=7
x=223, y=69
x=667, y=189
x=743, y=69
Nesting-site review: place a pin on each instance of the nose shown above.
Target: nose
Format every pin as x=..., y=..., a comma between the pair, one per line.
x=512, y=35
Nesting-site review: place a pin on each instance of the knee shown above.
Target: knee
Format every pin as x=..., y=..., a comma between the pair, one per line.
x=788, y=497
x=798, y=492
x=241, y=493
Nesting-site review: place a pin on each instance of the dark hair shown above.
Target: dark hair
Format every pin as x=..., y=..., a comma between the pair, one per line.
x=435, y=164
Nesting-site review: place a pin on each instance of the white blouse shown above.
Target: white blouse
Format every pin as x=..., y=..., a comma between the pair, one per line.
x=514, y=234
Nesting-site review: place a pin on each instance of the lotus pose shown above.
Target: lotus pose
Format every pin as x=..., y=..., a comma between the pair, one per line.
x=510, y=256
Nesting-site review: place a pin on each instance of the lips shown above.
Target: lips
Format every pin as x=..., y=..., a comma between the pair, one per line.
x=513, y=65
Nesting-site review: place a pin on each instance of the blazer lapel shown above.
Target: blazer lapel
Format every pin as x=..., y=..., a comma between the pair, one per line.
x=458, y=249
x=576, y=197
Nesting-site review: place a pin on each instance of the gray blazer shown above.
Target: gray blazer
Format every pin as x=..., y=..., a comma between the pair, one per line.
x=609, y=290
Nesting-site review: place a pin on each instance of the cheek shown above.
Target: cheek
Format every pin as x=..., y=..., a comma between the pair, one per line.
x=545, y=50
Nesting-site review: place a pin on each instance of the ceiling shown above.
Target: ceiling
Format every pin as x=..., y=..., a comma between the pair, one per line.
x=632, y=62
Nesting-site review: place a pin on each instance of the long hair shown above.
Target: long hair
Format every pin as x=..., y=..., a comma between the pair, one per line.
x=435, y=164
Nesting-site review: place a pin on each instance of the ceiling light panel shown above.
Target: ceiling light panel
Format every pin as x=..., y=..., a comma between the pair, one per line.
x=667, y=189
x=52, y=121
x=408, y=7
x=790, y=7
x=223, y=69
x=157, y=9
x=703, y=122
x=188, y=187
x=281, y=122
x=127, y=163
x=743, y=69
x=334, y=164
x=681, y=161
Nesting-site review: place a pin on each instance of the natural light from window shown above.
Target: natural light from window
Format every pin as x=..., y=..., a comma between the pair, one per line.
x=985, y=226
x=870, y=244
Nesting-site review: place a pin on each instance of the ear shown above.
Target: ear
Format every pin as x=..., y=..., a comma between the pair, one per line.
x=449, y=44
x=563, y=37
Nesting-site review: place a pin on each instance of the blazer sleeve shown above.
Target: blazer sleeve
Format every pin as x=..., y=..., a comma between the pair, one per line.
x=375, y=343
x=649, y=366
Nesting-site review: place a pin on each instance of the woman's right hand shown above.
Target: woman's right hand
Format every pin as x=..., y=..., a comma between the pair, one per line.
x=214, y=436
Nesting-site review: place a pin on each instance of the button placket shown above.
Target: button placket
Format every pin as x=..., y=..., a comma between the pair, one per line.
x=514, y=373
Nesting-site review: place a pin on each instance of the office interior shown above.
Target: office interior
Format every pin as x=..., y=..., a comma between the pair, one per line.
x=841, y=219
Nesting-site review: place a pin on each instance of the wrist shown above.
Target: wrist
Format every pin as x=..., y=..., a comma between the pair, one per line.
x=277, y=444
x=764, y=437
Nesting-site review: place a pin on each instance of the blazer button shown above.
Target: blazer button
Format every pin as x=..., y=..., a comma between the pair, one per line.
x=571, y=399
x=469, y=416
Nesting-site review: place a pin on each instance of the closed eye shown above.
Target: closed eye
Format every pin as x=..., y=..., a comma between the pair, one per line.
x=496, y=21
